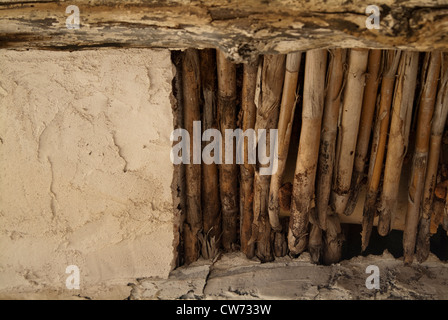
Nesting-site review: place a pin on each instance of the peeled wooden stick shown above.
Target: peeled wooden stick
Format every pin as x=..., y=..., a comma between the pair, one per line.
x=191, y=112
x=249, y=111
x=273, y=73
x=398, y=137
x=390, y=61
x=307, y=156
x=428, y=140
x=211, y=210
x=347, y=137
x=327, y=149
x=284, y=134
x=365, y=126
x=228, y=172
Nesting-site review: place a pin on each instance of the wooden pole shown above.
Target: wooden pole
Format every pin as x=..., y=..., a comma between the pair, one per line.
x=307, y=156
x=280, y=243
x=272, y=76
x=436, y=219
x=335, y=75
x=365, y=127
x=211, y=209
x=191, y=111
x=390, y=61
x=333, y=240
x=347, y=137
x=315, y=242
x=398, y=137
x=425, y=163
x=287, y=108
x=228, y=172
x=327, y=149
x=249, y=111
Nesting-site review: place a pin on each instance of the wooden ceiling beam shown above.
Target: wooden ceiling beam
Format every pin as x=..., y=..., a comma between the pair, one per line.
x=240, y=28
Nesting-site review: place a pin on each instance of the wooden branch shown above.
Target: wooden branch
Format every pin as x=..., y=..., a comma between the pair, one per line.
x=307, y=156
x=437, y=218
x=428, y=144
x=390, y=61
x=286, y=118
x=280, y=240
x=211, y=209
x=327, y=149
x=333, y=240
x=241, y=29
x=280, y=243
x=228, y=172
x=272, y=76
x=347, y=136
x=365, y=126
x=315, y=242
x=398, y=138
x=249, y=112
x=191, y=111
x=335, y=74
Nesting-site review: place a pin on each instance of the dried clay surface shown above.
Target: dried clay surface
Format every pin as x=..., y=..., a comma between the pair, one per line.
x=85, y=170
x=233, y=276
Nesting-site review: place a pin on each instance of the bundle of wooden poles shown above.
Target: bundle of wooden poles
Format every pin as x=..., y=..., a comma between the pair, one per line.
x=356, y=111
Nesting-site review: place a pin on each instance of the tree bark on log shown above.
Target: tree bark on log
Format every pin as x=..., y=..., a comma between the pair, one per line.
x=365, y=126
x=228, y=172
x=347, y=136
x=327, y=150
x=211, y=209
x=272, y=76
x=307, y=156
x=237, y=28
x=191, y=110
x=398, y=137
x=390, y=61
x=287, y=108
x=428, y=149
x=249, y=112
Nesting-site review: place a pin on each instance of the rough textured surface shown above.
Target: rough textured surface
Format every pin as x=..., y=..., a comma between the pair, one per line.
x=242, y=29
x=183, y=283
x=235, y=277
x=85, y=174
